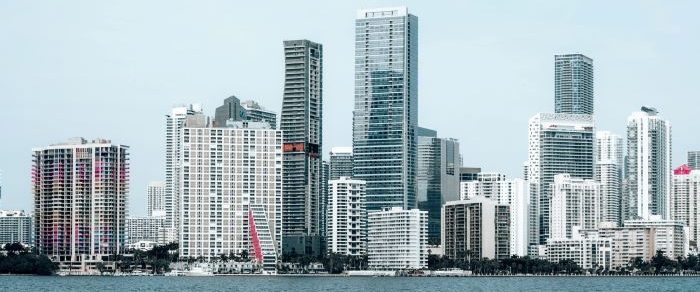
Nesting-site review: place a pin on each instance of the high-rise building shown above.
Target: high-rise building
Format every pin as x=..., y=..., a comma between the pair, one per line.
x=476, y=228
x=573, y=84
x=301, y=122
x=231, y=190
x=670, y=236
x=347, y=217
x=156, y=199
x=144, y=229
x=694, y=160
x=80, y=193
x=397, y=239
x=685, y=200
x=575, y=203
x=469, y=173
x=325, y=193
x=16, y=226
x=512, y=192
x=341, y=162
x=386, y=106
x=437, y=180
x=257, y=113
x=230, y=110
x=558, y=143
x=608, y=172
x=173, y=132
x=648, y=166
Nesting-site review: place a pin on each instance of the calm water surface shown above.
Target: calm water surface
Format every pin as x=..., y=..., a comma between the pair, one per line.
x=345, y=284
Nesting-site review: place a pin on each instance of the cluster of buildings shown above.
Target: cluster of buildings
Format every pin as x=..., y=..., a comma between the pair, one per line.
x=242, y=181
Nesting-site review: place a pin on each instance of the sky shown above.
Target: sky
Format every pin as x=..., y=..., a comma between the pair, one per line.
x=114, y=69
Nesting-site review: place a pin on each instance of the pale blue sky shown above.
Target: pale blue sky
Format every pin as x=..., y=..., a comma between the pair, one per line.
x=113, y=69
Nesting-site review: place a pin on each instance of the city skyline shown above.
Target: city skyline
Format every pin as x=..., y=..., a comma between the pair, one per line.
x=528, y=84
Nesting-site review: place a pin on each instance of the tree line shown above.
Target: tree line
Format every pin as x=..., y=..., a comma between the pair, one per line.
x=17, y=259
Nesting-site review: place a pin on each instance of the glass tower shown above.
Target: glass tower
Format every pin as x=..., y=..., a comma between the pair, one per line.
x=573, y=84
x=386, y=106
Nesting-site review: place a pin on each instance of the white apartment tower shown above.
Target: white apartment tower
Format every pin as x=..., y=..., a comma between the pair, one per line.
x=558, y=144
x=173, y=132
x=575, y=205
x=347, y=217
x=397, y=239
x=648, y=166
x=685, y=200
x=608, y=172
x=80, y=193
x=156, y=198
x=231, y=184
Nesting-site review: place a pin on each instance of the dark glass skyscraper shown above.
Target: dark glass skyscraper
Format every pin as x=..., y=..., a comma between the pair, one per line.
x=301, y=122
x=386, y=106
x=573, y=84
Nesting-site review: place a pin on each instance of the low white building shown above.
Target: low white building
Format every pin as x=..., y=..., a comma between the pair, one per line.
x=397, y=239
x=16, y=226
x=670, y=236
x=144, y=229
x=347, y=217
x=589, y=252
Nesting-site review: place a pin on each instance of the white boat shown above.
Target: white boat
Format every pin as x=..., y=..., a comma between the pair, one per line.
x=199, y=271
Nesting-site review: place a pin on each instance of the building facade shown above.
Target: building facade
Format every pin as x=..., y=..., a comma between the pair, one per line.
x=476, y=228
x=144, y=229
x=558, y=143
x=694, y=160
x=608, y=172
x=648, y=166
x=231, y=182
x=512, y=192
x=301, y=122
x=437, y=180
x=257, y=113
x=670, y=236
x=685, y=201
x=573, y=84
x=588, y=252
x=397, y=239
x=155, y=192
x=80, y=193
x=347, y=217
x=230, y=110
x=386, y=106
x=16, y=226
x=340, y=162
x=575, y=205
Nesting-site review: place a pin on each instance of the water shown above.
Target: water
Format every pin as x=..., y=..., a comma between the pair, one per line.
x=345, y=284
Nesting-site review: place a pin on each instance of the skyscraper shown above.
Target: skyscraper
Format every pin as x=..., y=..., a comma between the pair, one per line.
x=648, y=167
x=608, y=172
x=156, y=198
x=437, y=180
x=256, y=113
x=302, y=125
x=685, y=200
x=173, y=130
x=573, y=84
x=694, y=160
x=558, y=143
x=575, y=203
x=230, y=110
x=347, y=217
x=386, y=106
x=80, y=193
x=341, y=162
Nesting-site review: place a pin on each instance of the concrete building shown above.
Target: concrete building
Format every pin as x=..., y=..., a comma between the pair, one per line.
x=397, y=239
x=231, y=190
x=608, y=172
x=340, y=162
x=173, y=133
x=575, y=203
x=648, y=166
x=156, y=199
x=16, y=226
x=230, y=110
x=386, y=106
x=685, y=201
x=589, y=252
x=347, y=217
x=694, y=160
x=476, y=228
x=144, y=229
x=256, y=113
x=80, y=192
x=301, y=122
x=573, y=84
x=438, y=179
x=512, y=192
x=558, y=143
x=670, y=235
x=626, y=243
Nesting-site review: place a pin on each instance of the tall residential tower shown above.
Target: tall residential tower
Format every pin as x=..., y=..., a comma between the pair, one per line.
x=573, y=84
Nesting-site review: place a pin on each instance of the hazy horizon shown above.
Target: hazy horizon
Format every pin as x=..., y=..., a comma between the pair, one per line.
x=114, y=70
